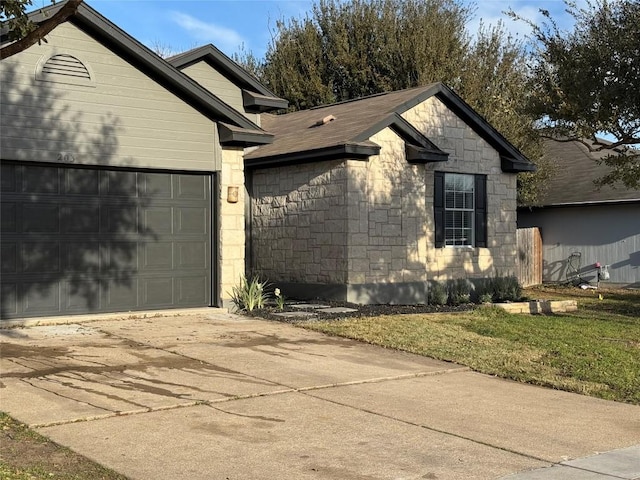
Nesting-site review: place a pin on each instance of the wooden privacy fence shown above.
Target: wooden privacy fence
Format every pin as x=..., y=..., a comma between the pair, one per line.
x=529, y=243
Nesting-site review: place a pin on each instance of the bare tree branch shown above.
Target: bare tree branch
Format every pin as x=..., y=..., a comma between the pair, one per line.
x=43, y=29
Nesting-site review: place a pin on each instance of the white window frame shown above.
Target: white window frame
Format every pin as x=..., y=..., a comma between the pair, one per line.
x=454, y=210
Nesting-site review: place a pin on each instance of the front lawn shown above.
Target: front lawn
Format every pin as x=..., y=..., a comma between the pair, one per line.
x=594, y=351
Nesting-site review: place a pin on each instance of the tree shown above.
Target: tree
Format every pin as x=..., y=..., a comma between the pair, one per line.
x=350, y=49
x=586, y=82
x=22, y=31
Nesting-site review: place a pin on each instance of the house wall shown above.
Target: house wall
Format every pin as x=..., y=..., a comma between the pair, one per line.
x=232, y=223
x=468, y=153
x=363, y=231
x=609, y=234
x=387, y=224
x=299, y=223
x=220, y=86
x=121, y=118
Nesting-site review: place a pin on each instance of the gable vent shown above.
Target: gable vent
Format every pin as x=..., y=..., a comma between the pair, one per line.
x=66, y=65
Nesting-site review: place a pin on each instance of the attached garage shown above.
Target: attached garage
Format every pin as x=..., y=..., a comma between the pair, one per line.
x=114, y=166
x=80, y=240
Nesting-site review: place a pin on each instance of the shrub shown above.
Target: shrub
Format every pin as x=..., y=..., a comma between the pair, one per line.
x=506, y=289
x=438, y=294
x=459, y=292
x=249, y=294
x=484, y=291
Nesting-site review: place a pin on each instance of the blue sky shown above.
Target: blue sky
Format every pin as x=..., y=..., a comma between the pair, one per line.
x=227, y=24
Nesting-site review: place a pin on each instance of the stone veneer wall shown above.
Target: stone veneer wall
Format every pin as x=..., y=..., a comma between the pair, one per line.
x=368, y=225
x=299, y=223
x=232, y=223
x=468, y=153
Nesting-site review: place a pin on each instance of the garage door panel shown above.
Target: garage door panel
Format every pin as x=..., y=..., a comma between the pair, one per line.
x=121, y=294
x=121, y=256
x=8, y=180
x=191, y=290
x=81, y=295
x=120, y=184
x=9, y=294
x=120, y=219
x=99, y=240
x=157, y=256
x=79, y=257
x=190, y=220
x=157, y=220
x=9, y=258
x=40, y=297
x=40, y=217
x=40, y=257
x=157, y=291
x=190, y=255
x=155, y=185
x=82, y=182
x=44, y=180
x=81, y=219
x=191, y=187
x=8, y=219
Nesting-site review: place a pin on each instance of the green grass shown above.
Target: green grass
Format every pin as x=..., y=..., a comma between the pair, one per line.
x=594, y=351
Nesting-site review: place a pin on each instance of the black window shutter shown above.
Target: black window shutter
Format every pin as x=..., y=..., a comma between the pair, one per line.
x=438, y=208
x=481, y=210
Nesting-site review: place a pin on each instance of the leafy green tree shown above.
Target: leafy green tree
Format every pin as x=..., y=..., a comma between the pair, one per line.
x=350, y=49
x=24, y=32
x=587, y=81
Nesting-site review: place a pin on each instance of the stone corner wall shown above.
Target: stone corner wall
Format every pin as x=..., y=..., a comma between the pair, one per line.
x=232, y=223
x=299, y=223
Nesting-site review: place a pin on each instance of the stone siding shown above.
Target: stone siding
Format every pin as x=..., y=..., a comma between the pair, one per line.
x=468, y=153
x=387, y=217
x=369, y=225
x=232, y=223
x=299, y=223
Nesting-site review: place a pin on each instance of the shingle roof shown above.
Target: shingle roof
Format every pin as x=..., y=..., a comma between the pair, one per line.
x=357, y=120
x=576, y=170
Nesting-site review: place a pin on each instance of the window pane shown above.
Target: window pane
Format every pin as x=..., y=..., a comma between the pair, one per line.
x=448, y=200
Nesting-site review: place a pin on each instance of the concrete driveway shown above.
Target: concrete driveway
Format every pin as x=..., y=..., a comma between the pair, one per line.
x=210, y=395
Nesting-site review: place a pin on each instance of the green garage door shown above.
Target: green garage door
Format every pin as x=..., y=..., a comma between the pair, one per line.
x=81, y=240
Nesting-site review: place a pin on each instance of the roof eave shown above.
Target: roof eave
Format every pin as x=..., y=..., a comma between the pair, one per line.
x=239, y=137
x=352, y=151
x=256, y=103
x=416, y=154
x=512, y=165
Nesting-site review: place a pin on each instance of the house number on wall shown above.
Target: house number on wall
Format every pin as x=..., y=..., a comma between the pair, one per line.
x=66, y=157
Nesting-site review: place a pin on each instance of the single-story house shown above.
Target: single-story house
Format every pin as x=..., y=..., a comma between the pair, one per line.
x=600, y=225
x=130, y=182
x=368, y=201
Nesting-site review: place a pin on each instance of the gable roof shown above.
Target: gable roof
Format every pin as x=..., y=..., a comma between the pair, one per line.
x=298, y=138
x=256, y=96
x=576, y=169
x=153, y=65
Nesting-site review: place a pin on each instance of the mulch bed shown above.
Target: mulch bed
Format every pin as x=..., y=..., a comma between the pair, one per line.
x=269, y=311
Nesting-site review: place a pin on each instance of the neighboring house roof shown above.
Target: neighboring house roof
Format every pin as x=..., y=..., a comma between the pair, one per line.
x=299, y=137
x=169, y=76
x=256, y=97
x=575, y=172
